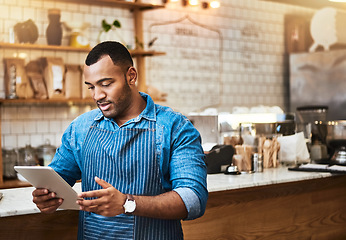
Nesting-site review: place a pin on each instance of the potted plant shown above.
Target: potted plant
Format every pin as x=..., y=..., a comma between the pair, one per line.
x=110, y=32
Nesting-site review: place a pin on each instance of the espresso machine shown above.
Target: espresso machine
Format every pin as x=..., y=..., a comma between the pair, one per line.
x=311, y=120
x=327, y=138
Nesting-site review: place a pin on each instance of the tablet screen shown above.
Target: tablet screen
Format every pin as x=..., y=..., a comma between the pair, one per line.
x=46, y=177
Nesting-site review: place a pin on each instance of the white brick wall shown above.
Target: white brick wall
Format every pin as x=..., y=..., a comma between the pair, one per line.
x=241, y=65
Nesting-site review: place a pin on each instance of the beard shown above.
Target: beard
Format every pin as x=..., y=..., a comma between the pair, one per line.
x=118, y=106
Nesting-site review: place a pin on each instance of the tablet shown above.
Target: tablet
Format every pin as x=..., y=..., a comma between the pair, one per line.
x=46, y=177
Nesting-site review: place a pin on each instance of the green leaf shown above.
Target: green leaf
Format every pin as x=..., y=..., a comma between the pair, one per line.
x=106, y=27
x=116, y=24
x=138, y=43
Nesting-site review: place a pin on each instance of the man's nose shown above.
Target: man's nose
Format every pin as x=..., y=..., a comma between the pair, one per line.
x=99, y=94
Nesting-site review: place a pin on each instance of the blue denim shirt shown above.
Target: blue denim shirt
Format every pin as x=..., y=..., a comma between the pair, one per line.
x=181, y=156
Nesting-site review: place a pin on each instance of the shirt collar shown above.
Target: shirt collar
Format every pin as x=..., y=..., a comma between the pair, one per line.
x=148, y=113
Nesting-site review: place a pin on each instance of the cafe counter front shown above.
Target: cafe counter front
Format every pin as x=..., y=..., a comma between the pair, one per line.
x=274, y=204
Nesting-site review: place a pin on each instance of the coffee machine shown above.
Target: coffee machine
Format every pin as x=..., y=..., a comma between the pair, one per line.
x=336, y=140
x=311, y=120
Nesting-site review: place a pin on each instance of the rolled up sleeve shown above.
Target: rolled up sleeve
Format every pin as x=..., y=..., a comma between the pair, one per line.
x=188, y=172
x=191, y=201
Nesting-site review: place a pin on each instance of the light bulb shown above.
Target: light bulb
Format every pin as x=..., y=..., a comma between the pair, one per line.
x=214, y=4
x=193, y=2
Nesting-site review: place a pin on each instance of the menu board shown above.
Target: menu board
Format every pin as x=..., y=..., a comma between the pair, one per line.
x=191, y=71
x=319, y=78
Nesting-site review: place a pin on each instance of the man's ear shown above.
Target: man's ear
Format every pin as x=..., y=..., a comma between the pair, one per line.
x=132, y=75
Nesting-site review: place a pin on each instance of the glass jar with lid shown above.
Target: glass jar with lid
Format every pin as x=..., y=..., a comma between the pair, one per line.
x=27, y=156
x=45, y=153
x=9, y=160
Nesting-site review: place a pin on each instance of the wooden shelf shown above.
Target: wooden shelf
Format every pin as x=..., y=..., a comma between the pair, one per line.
x=317, y=4
x=71, y=101
x=14, y=183
x=28, y=46
x=116, y=3
x=46, y=101
x=136, y=53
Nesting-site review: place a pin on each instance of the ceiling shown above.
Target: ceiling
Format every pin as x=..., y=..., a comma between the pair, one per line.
x=317, y=4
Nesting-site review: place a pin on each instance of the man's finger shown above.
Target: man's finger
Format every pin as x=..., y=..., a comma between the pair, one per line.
x=89, y=203
x=92, y=194
x=40, y=192
x=43, y=198
x=50, y=206
x=96, y=193
x=102, y=183
x=93, y=209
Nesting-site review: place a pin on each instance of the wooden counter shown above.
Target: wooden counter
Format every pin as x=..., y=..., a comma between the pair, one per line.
x=62, y=225
x=311, y=207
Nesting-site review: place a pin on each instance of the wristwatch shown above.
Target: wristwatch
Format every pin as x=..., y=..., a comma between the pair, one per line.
x=130, y=204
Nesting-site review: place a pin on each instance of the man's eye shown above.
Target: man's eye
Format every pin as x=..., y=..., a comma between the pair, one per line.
x=91, y=87
x=106, y=84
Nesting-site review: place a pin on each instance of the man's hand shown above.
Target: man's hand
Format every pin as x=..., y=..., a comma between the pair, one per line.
x=107, y=201
x=46, y=201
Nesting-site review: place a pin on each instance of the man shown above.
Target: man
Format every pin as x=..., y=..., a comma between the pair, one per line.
x=141, y=164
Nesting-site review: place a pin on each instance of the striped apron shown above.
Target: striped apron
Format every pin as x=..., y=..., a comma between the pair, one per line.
x=126, y=159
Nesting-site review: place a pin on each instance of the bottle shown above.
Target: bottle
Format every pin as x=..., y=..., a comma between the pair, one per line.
x=54, y=29
x=257, y=164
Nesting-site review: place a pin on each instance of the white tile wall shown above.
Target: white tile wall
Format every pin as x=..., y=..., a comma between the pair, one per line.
x=232, y=57
x=34, y=124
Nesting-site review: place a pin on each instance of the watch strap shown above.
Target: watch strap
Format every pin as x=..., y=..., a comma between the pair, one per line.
x=130, y=197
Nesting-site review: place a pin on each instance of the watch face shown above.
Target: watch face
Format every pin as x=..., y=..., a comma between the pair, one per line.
x=130, y=206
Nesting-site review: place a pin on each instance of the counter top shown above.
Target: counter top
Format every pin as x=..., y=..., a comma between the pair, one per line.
x=221, y=182
x=18, y=201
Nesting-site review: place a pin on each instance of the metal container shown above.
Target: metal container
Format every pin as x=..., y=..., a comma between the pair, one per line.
x=336, y=140
x=45, y=153
x=257, y=164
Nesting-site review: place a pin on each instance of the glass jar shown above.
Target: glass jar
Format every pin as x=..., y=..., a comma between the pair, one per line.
x=27, y=156
x=9, y=160
x=45, y=153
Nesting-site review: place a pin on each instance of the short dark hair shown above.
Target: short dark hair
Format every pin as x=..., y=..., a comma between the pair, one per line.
x=115, y=50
